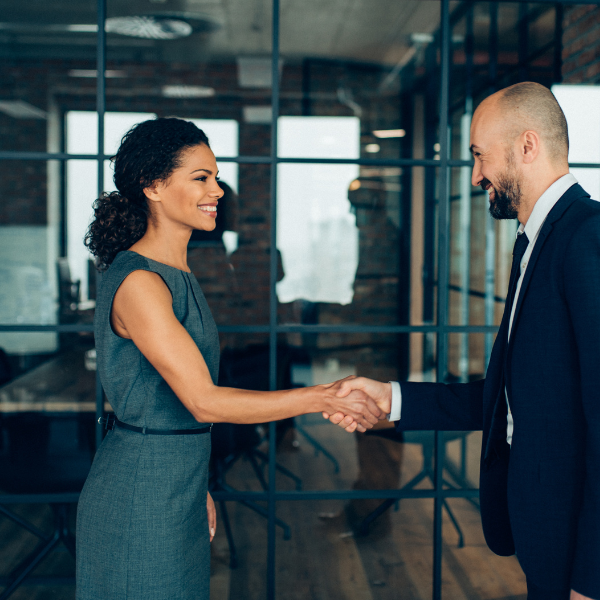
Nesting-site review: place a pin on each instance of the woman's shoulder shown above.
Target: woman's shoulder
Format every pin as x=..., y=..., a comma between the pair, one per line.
x=122, y=266
x=149, y=272
x=127, y=260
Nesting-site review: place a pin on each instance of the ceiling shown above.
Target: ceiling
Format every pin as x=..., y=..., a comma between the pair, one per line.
x=364, y=30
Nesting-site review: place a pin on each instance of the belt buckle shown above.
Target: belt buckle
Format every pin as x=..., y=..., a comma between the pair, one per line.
x=108, y=422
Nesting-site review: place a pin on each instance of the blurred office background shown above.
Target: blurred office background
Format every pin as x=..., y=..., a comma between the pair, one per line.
x=350, y=241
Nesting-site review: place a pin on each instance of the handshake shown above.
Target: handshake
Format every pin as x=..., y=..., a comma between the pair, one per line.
x=357, y=403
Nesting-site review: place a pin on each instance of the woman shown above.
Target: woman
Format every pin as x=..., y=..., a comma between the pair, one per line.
x=145, y=517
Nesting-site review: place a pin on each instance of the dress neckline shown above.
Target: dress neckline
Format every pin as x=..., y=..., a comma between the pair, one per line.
x=157, y=261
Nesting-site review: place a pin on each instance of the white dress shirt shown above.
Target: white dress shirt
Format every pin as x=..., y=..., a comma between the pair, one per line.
x=532, y=229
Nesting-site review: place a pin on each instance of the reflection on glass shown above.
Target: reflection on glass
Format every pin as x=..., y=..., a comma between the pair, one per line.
x=316, y=232
x=480, y=261
x=29, y=250
x=41, y=43
x=47, y=419
x=233, y=268
x=217, y=68
x=396, y=554
x=243, y=577
x=382, y=56
x=390, y=274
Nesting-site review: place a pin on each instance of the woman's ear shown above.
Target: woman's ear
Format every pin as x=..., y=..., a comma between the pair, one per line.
x=152, y=192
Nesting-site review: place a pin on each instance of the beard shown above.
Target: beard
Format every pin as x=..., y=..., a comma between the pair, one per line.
x=507, y=192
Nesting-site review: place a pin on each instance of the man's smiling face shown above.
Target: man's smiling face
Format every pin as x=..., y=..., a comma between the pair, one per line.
x=495, y=168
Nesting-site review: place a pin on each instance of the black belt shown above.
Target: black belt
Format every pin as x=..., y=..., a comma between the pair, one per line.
x=110, y=422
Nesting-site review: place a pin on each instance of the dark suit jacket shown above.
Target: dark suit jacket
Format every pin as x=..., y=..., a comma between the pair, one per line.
x=541, y=497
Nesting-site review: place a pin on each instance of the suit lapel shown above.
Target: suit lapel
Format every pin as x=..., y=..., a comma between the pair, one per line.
x=555, y=214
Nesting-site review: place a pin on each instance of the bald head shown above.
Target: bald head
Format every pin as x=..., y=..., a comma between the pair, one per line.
x=531, y=106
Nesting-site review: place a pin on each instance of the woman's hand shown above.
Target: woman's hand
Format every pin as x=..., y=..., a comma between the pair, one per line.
x=348, y=401
x=379, y=393
x=212, y=516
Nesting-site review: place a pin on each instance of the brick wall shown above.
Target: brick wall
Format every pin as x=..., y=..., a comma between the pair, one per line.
x=581, y=44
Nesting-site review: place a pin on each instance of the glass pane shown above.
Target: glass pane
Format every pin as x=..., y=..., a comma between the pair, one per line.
x=480, y=255
x=19, y=544
x=249, y=539
x=584, y=129
x=395, y=554
x=47, y=417
x=379, y=68
x=474, y=568
x=357, y=244
x=47, y=274
x=325, y=456
x=209, y=63
x=468, y=356
x=43, y=47
x=542, y=23
x=236, y=449
x=232, y=263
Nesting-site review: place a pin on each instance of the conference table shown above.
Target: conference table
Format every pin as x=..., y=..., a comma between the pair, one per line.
x=65, y=384
x=47, y=425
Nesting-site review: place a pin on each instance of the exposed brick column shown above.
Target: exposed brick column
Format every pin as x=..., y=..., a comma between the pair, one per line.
x=581, y=44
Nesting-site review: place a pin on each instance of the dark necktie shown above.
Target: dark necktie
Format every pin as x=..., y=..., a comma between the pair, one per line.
x=515, y=271
x=498, y=425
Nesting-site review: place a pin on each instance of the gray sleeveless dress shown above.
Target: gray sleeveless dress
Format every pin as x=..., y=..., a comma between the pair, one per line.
x=142, y=528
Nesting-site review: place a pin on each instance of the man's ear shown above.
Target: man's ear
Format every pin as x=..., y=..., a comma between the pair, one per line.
x=529, y=146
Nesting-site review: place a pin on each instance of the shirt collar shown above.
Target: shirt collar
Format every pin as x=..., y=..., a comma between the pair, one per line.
x=545, y=204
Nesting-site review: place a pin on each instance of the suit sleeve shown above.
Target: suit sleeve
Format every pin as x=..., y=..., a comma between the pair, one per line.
x=440, y=406
x=582, y=291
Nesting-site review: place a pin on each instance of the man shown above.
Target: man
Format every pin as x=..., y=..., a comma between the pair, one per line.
x=539, y=406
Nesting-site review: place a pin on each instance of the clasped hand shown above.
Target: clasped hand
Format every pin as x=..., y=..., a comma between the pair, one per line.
x=376, y=396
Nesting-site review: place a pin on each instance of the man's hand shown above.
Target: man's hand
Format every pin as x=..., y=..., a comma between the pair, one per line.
x=577, y=596
x=354, y=403
x=380, y=394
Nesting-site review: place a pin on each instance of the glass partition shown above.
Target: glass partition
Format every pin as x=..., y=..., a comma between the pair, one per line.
x=349, y=242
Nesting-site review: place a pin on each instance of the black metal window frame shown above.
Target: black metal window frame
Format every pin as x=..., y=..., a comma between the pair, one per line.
x=442, y=327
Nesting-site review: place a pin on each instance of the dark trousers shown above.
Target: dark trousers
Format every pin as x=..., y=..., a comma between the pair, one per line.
x=536, y=593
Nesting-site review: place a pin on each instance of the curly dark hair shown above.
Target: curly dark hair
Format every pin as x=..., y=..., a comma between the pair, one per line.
x=149, y=152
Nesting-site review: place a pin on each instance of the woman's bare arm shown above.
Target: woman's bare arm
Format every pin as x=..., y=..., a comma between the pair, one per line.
x=143, y=312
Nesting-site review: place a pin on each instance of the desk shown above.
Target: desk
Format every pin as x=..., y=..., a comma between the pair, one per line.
x=47, y=426
x=58, y=387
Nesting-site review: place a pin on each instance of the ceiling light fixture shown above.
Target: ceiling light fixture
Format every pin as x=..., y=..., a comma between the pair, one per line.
x=51, y=28
x=150, y=27
x=389, y=133
x=422, y=38
x=19, y=109
x=372, y=148
x=187, y=91
x=92, y=73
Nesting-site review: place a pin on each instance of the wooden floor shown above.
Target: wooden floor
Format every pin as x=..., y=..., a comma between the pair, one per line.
x=323, y=560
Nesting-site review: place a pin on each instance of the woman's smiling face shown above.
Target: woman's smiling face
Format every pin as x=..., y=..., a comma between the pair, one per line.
x=191, y=194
